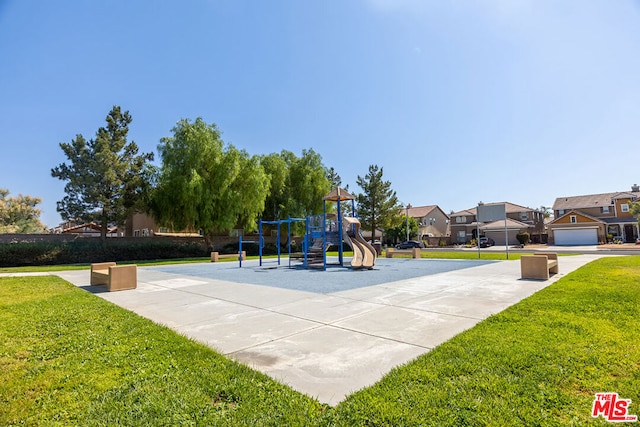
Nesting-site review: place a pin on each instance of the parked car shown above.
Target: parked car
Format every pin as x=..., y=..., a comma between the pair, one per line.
x=485, y=242
x=409, y=244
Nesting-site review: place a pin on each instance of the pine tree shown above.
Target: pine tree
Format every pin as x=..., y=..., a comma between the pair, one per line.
x=106, y=178
x=378, y=204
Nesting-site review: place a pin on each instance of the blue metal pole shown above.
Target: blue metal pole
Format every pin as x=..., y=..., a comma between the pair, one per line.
x=289, y=240
x=324, y=237
x=305, y=244
x=340, y=255
x=278, y=241
x=260, y=241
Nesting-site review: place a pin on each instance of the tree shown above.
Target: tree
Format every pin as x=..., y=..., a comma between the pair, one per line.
x=19, y=214
x=399, y=232
x=203, y=185
x=277, y=170
x=336, y=181
x=635, y=210
x=297, y=184
x=378, y=205
x=546, y=211
x=106, y=178
x=308, y=183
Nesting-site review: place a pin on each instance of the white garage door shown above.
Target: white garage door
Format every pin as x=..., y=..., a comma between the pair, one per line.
x=576, y=236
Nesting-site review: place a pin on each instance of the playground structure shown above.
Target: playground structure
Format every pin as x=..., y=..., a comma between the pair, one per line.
x=322, y=232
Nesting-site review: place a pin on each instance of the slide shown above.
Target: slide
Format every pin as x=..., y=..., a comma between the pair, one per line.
x=364, y=255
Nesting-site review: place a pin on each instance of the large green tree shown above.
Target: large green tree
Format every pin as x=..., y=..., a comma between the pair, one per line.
x=19, y=214
x=308, y=182
x=399, y=232
x=298, y=184
x=378, y=204
x=106, y=177
x=205, y=185
x=277, y=201
x=336, y=181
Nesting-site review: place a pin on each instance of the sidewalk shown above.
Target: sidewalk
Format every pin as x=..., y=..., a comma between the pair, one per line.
x=327, y=345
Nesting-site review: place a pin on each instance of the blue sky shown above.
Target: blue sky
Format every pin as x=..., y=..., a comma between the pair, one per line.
x=458, y=101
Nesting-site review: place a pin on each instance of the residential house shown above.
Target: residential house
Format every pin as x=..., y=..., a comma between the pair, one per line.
x=87, y=229
x=143, y=225
x=589, y=219
x=464, y=225
x=432, y=221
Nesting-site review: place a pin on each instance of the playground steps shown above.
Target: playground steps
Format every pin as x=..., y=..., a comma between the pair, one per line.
x=315, y=255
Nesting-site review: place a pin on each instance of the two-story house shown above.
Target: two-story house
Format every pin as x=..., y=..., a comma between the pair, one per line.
x=432, y=221
x=464, y=225
x=588, y=219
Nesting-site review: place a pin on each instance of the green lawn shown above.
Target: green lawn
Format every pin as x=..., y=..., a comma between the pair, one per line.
x=66, y=267
x=70, y=358
x=425, y=254
x=539, y=362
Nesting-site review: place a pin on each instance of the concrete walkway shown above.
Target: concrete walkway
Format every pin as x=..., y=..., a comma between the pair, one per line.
x=327, y=345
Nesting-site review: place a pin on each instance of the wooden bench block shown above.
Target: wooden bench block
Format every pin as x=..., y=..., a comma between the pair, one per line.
x=539, y=265
x=416, y=253
x=122, y=277
x=217, y=256
x=100, y=273
x=115, y=277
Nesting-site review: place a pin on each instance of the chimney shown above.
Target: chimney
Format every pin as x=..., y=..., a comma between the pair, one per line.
x=635, y=188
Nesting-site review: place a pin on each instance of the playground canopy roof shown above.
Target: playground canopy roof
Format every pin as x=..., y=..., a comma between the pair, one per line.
x=338, y=194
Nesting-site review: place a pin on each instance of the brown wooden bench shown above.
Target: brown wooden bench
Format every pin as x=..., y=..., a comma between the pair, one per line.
x=391, y=252
x=217, y=256
x=538, y=265
x=116, y=277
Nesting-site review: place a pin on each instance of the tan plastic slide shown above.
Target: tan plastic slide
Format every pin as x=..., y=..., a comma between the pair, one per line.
x=364, y=255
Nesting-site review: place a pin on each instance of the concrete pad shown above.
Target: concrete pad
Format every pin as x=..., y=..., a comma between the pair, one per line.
x=177, y=283
x=380, y=294
x=147, y=294
x=454, y=305
x=328, y=363
x=416, y=327
x=324, y=343
x=251, y=295
x=185, y=315
x=233, y=332
x=325, y=308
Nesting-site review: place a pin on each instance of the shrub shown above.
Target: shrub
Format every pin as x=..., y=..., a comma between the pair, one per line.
x=523, y=238
x=90, y=250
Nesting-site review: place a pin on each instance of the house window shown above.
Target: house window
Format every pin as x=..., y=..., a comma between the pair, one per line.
x=624, y=207
x=145, y=232
x=560, y=212
x=605, y=209
x=136, y=233
x=524, y=215
x=460, y=219
x=574, y=219
x=462, y=235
